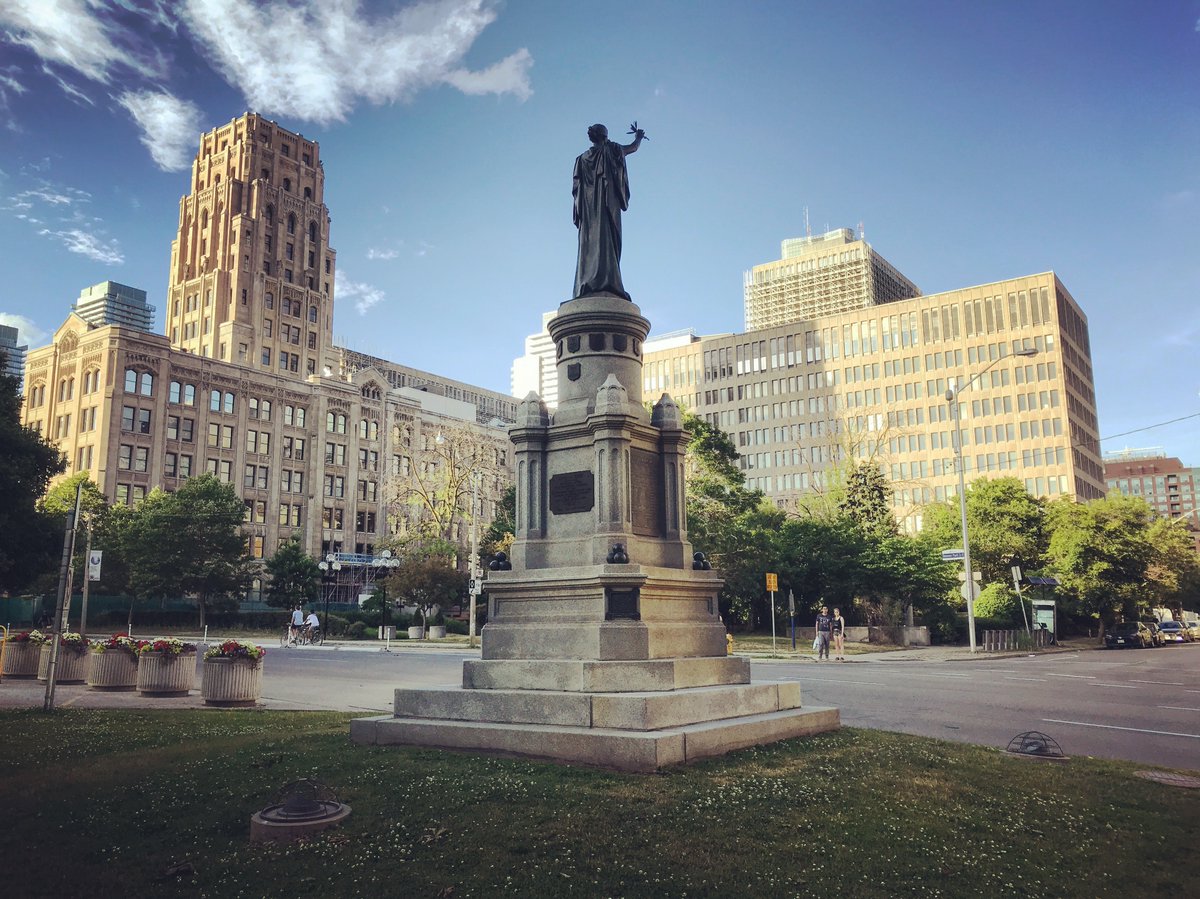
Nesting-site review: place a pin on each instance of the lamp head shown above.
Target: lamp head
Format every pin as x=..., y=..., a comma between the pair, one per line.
x=1027, y=352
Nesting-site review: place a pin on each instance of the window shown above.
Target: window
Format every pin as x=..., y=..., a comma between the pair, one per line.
x=287, y=186
x=130, y=381
x=189, y=394
x=172, y=427
x=170, y=465
x=291, y=224
x=266, y=357
x=147, y=382
x=127, y=417
x=175, y=392
x=124, y=457
x=187, y=427
x=185, y=466
x=141, y=458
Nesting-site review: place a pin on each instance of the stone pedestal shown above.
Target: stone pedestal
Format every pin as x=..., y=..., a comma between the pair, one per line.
x=603, y=644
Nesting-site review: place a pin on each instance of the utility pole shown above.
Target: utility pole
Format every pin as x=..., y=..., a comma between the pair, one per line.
x=476, y=574
x=87, y=579
x=64, y=599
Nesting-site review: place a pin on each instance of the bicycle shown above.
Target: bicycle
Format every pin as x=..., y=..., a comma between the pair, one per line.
x=302, y=636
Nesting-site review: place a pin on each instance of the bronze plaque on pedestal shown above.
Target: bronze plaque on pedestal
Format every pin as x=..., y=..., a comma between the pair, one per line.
x=572, y=491
x=645, y=474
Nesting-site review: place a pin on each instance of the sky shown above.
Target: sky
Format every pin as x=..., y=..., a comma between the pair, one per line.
x=973, y=142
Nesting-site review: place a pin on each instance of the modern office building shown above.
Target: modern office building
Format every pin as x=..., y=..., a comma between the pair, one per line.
x=537, y=370
x=1163, y=481
x=110, y=303
x=13, y=351
x=821, y=275
x=325, y=444
x=803, y=397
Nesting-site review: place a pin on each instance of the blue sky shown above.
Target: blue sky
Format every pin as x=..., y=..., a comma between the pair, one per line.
x=975, y=142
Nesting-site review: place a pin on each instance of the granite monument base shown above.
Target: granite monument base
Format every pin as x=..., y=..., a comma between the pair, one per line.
x=628, y=731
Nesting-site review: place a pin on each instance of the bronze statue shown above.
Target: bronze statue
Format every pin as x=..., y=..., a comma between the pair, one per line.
x=600, y=188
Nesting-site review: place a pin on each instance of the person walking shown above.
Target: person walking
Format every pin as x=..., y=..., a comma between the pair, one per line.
x=824, y=629
x=838, y=626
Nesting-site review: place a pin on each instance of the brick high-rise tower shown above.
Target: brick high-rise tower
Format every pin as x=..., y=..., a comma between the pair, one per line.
x=252, y=271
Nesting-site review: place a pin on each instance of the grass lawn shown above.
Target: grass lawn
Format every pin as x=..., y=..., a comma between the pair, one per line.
x=103, y=803
x=759, y=642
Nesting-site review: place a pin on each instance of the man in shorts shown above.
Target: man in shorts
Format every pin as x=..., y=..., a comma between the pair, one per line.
x=824, y=629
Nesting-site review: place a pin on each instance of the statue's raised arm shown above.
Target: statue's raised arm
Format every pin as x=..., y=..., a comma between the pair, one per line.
x=600, y=189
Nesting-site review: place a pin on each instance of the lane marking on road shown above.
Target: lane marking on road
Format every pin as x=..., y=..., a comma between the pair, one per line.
x=1178, y=708
x=941, y=675
x=1013, y=677
x=1165, y=683
x=829, y=680
x=1136, y=730
x=1120, y=686
x=1082, y=676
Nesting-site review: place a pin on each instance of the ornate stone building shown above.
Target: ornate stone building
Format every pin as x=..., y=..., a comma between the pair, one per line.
x=246, y=383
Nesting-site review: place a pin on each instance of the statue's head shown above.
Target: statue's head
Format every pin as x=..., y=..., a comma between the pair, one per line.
x=597, y=133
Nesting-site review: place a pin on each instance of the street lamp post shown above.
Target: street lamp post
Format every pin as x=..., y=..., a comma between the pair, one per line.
x=329, y=566
x=956, y=441
x=476, y=571
x=388, y=563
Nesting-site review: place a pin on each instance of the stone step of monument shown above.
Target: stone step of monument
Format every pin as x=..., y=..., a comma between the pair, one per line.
x=623, y=750
x=618, y=711
x=589, y=676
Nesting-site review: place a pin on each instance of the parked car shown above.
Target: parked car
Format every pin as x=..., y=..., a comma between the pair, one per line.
x=1128, y=633
x=1156, y=634
x=1175, y=632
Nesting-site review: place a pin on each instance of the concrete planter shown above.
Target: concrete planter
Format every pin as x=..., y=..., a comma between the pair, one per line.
x=387, y=633
x=113, y=670
x=437, y=631
x=21, y=659
x=72, y=665
x=166, y=674
x=231, y=682
x=416, y=633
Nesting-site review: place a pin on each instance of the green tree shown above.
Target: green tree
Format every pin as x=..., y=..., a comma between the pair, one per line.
x=1006, y=524
x=1101, y=553
x=820, y=561
x=900, y=573
x=293, y=576
x=427, y=577
x=867, y=500
x=1174, y=571
x=502, y=531
x=998, y=604
x=731, y=525
x=190, y=543
x=29, y=540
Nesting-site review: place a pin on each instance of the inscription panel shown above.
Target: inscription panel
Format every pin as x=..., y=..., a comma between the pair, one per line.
x=572, y=491
x=645, y=474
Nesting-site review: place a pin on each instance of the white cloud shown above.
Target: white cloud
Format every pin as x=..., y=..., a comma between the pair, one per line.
x=509, y=76
x=85, y=243
x=169, y=125
x=373, y=253
x=380, y=59
x=71, y=33
x=30, y=333
x=364, y=295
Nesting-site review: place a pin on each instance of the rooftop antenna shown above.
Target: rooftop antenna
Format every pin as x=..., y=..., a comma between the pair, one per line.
x=862, y=232
x=807, y=230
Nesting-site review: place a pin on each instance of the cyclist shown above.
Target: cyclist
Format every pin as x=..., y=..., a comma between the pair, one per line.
x=312, y=626
x=297, y=623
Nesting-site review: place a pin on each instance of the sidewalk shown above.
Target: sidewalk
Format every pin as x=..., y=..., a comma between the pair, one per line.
x=917, y=654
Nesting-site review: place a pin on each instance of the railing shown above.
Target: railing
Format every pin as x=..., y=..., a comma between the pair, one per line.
x=1008, y=641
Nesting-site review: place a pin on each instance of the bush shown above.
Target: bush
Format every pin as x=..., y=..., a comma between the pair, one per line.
x=336, y=625
x=357, y=630
x=998, y=607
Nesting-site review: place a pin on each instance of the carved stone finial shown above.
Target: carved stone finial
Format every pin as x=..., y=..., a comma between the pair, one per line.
x=532, y=412
x=612, y=396
x=665, y=415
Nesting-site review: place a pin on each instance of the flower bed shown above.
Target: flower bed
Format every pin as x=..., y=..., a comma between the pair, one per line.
x=72, y=659
x=21, y=653
x=166, y=668
x=233, y=674
x=114, y=663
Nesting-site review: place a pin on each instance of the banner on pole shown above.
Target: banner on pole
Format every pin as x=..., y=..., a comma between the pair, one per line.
x=94, y=559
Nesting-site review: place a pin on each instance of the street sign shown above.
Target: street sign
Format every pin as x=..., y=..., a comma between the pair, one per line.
x=953, y=555
x=791, y=604
x=475, y=587
x=975, y=591
x=772, y=582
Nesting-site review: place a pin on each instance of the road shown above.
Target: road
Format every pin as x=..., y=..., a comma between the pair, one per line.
x=1137, y=704
x=1141, y=705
